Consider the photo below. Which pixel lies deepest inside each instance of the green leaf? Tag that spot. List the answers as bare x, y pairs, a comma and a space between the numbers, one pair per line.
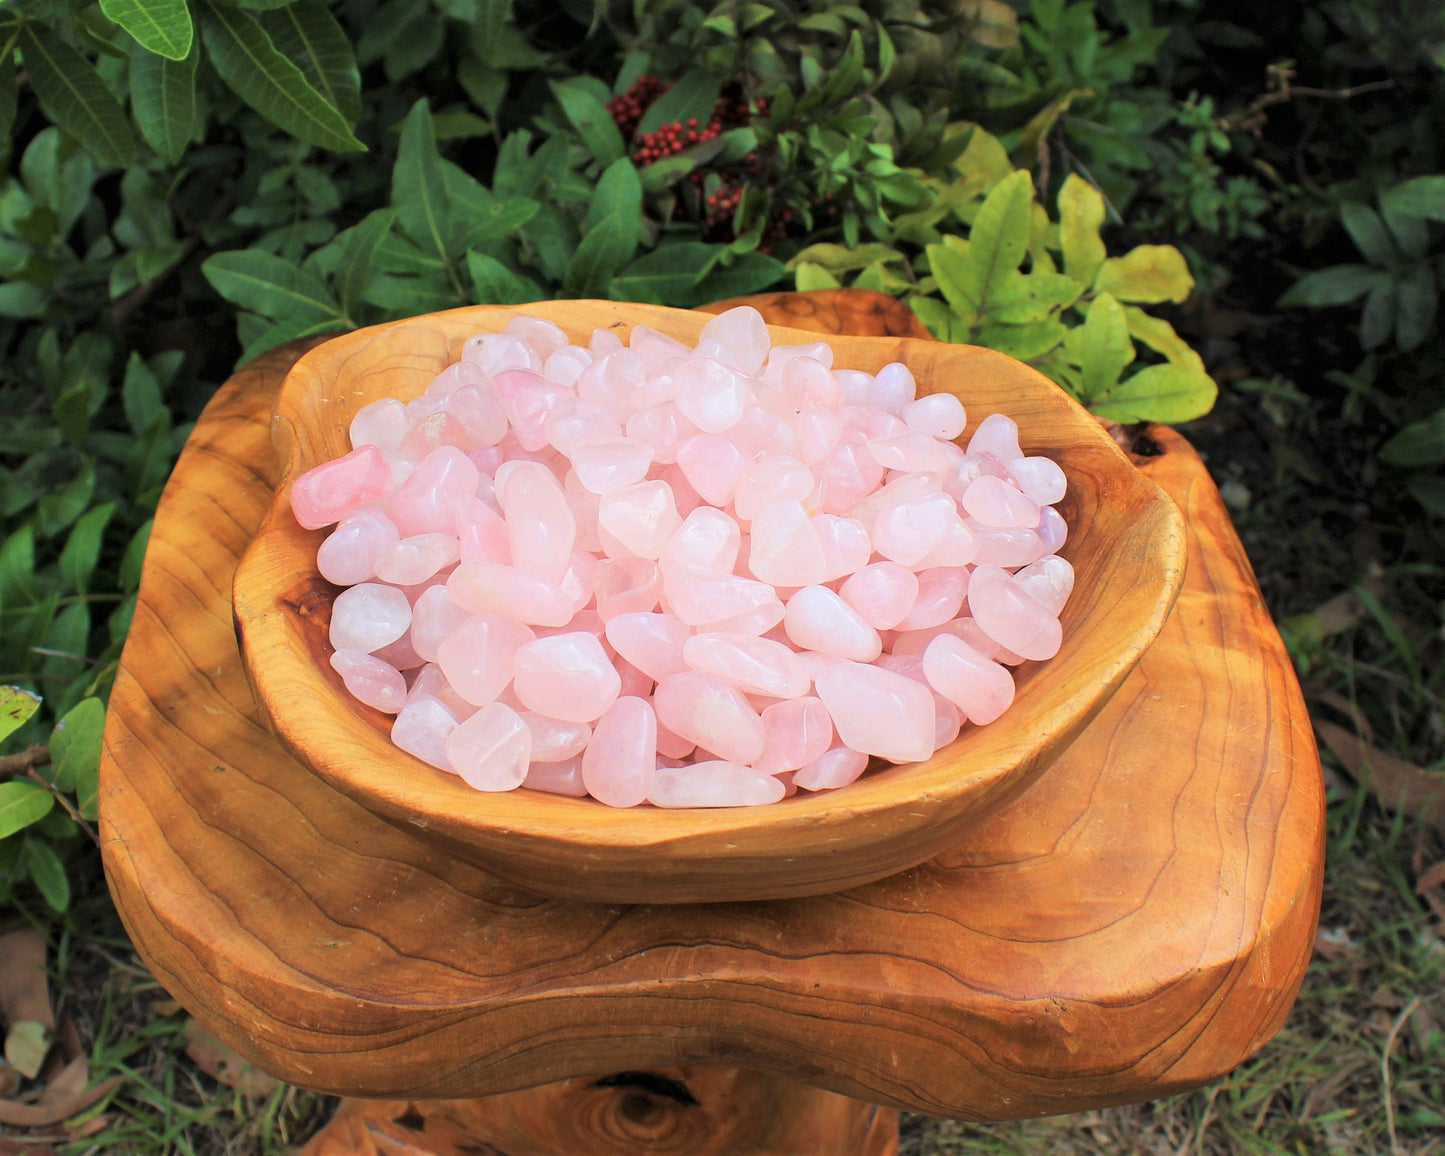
1159, 336
75, 752
693, 95
1081, 216
269, 285
668, 275
306, 33
1163, 393
159, 26
163, 101
27, 1043
610, 232
22, 803
140, 394
934, 314
17, 567
594, 124
1101, 347
660, 174
747, 273
290, 329
552, 238
1368, 232
1025, 342
242, 52
494, 284
841, 259
73, 95
999, 237
45, 868
1377, 320
1416, 300
16, 706
951, 270
499, 219
807, 277
1147, 274
1336, 285
82, 547
1419, 445
1421, 197
8, 95
409, 296
1024, 300
134, 556
417, 189
359, 245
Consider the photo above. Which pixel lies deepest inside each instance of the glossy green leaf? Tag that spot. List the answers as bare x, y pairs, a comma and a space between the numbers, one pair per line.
1336, 285
1026, 342
1421, 197
1147, 275
73, 95
611, 230
159, 26
999, 237
82, 548
1163, 393
693, 95
47, 872
808, 277
140, 394
1368, 232
75, 752
951, 270
16, 706
308, 35
589, 116
841, 259
22, 803
359, 246
268, 285
1026, 299
408, 296
747, 273
252, 67
1377, 319
1101, 347
417, 188
288, 329
1416, 299
494, 284
1419, 445
668, 275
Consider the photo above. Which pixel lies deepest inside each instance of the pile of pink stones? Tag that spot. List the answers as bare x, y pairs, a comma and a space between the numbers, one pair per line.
688, 577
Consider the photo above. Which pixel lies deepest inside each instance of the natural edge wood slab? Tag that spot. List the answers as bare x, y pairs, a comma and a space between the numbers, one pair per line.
1135, 924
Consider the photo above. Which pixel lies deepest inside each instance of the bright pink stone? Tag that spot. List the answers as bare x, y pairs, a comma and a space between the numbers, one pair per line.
421, 729
620, 762
368, 616
555, 740
767, 481
795, 733
1007, 614
744, 333
566, 676
334, 489
426, 503
712, 465
832, 769
478, 657
413, 560
908, 532
434, 616
978, 686
817, 619
998, 435
349, 554
754, 665
882, 593
639, 518
715, 783
707, 539
940, 597
609, 465
995, 503
564, 778
701, 597
370, 680
540, 525
651, 642
710, 395
491, 750
1049, 582
879, 712
626, 586
711, 713
939, 415
785, 549
490, 588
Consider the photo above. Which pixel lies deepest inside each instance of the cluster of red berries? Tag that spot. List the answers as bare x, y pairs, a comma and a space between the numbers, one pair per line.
673, 137
627, 108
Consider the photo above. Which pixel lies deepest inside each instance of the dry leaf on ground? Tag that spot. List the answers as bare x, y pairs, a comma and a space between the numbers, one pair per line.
43, 1114
24, 988
224, 1063
1398, 783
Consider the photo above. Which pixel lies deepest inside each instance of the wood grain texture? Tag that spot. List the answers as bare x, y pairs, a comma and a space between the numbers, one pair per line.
1137, 922
735, 1112
1126, 544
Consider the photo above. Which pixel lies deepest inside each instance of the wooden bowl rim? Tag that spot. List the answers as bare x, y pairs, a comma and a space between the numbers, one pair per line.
404, 789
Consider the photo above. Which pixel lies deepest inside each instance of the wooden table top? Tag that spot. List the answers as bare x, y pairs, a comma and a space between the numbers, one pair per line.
1137, 923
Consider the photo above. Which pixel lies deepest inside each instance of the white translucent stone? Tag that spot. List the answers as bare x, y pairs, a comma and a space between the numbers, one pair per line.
620, 763
492, 750
816, 618
715, 783
742, 331
368, 616
710, 395
409, 561
421, 729
566, 676
369, 680
939, 414
349, 554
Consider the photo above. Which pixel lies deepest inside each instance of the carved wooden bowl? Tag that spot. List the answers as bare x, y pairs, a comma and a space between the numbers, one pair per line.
1126, 544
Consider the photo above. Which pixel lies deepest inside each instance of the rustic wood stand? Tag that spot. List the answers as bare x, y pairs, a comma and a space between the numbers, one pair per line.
1135, 924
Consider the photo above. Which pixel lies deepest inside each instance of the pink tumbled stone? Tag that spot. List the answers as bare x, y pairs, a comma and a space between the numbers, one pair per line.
607, 466
795, 733
882, 593
1040, 478
671, 746
380, 423
998, 435
768, 481
426, 503
566, 676
850, 474
421, 729
1007, 614
712, 465
564, 778
656, 349
818, 619
545, 337
492, 750
626, 586
846, 545
490, 588
818, 432
978, 686
576, 421
710, 395
715, 783
651, 642
370, 680
878, 712
497, 352
409, 561
707, 539
480, 413
329, 492
1006, 548
995, 503
620, 762
1053, 530
912, 450
429, 680
957, 547
744, 333
754, 665
832, 769
700, 597
541, 528
434, 616
555, 740
711, 713
1049, 582
785, 548
478, 657
481, 533
893, 388
940, 597
639, 518
527, 399
368, 616
349, 554
908, 532
430, 432
940, 415
610, 380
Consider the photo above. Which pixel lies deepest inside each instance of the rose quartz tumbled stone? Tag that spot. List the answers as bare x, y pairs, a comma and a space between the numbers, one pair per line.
368, 616
349, 554
492, 750
818, 619
753, 665
478, 657
566, 676
878, 712
370, 680
620, 763
795, 732
978, 686
330, 491
832, 769
1006, 613
710, 712
714, 783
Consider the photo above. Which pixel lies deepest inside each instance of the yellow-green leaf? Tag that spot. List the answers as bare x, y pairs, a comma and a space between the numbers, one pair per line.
1101, 347
1081, 215
1159, 336
1042, 122
16, 706
1147, 274
840, 258
984, 162
159, 26
22, 803
809, 276
990, 22
26, 1045
1164, 393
